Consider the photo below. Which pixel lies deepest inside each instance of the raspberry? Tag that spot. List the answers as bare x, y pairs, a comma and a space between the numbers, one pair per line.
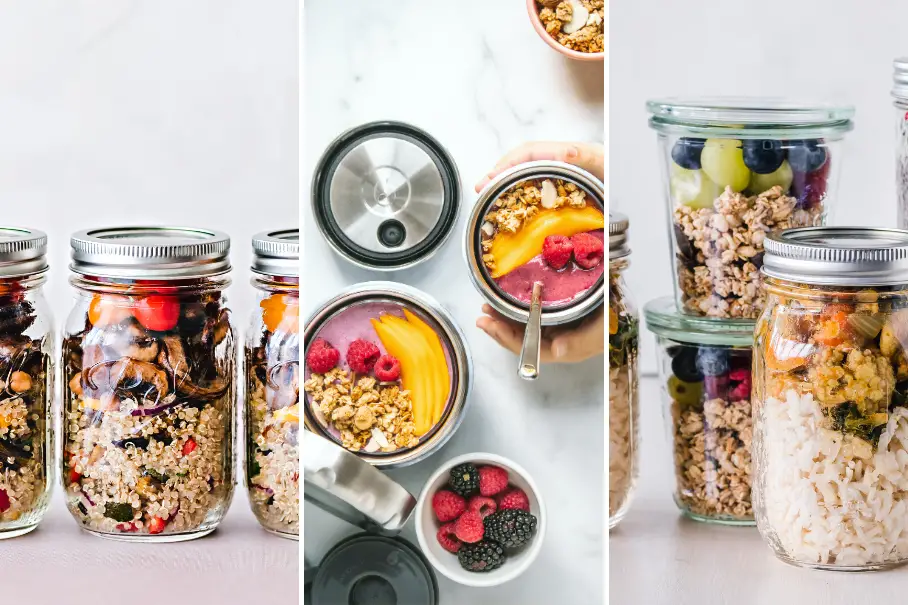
362, 355
482, 505
321, 356
448, 505
739, 374
448, 539
588, 250
492, 480
715, 387
557, 250
469, 527
514, 498
387, 368
810, 188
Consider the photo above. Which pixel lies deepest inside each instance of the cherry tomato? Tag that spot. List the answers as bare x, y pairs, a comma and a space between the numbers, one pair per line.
189, 446
74, 476
281, 313
156, 525
158, 313
108, 309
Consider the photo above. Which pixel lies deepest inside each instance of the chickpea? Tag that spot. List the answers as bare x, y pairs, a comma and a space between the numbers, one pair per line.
75, 385
20, 382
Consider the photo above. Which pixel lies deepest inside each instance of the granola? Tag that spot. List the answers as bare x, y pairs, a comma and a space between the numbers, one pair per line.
575, 24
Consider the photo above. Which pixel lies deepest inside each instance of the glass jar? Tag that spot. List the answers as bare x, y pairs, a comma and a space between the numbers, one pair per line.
26, 382
734, 170
273, 384
831, 386
623, 419
149, 386
705, 371
900, 100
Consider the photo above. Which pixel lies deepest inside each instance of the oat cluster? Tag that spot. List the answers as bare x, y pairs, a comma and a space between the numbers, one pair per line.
556, 15
364, 411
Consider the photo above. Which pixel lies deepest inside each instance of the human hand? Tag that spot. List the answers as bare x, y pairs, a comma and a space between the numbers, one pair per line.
589, 156
559, 344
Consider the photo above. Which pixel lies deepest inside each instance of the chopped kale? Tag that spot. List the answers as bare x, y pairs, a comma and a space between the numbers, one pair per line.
119, 511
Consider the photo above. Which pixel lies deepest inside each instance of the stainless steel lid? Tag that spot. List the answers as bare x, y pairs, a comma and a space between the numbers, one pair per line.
385, 195
838, 256
22, 252
900, 79
277, 253
150, 252
351, 489
617, 236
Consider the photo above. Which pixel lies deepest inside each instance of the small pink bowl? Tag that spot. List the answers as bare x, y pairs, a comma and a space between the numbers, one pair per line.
567, 52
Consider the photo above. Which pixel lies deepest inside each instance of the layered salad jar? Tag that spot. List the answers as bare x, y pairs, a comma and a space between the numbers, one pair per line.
26, 382
900, 101
735, 170
149, 387
623, 340
831, 398
273, 384
705, 371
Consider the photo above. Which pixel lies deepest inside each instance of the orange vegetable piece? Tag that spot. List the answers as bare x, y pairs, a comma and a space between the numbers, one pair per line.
108, 309
832, 331
281, 313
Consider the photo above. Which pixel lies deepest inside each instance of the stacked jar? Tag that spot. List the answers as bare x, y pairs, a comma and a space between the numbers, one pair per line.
900, 100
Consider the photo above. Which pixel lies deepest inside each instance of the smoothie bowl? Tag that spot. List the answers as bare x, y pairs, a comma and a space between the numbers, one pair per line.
387, 373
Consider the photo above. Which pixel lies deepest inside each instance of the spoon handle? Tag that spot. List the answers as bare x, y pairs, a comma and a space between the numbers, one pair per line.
532, 338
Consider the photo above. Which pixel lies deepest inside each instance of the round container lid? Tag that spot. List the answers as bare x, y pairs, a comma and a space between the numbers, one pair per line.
749, 117
22, 252
838, 256
617, 235
900, 78
664, 319
150, 252
386, 195
374, 570
277, 253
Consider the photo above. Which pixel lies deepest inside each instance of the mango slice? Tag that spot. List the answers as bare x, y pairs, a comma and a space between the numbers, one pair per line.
511, 250
414, 357
441, 375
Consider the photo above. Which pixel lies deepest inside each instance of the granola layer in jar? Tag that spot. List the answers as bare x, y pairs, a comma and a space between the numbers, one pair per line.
575, 24
149, 394
705, 369
736, 170
273, 385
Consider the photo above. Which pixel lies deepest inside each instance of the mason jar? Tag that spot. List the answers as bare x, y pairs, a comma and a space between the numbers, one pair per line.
705, 372
623, 378
900, 100
26, 382
830, 412
273, 384
735, 170
149, 389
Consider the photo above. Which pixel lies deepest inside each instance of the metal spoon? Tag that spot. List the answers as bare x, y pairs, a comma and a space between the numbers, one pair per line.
532, 338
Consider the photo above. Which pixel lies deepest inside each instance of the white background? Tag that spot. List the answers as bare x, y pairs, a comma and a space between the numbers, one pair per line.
124, 112
810, 49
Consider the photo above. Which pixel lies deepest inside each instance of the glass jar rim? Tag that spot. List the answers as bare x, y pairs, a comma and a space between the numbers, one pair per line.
749, 117
664, 319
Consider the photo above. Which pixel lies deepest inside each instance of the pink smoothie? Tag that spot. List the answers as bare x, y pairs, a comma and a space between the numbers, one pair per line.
559, 287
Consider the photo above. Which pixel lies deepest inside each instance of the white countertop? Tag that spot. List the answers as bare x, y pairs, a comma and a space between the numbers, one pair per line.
659, 557
492, 86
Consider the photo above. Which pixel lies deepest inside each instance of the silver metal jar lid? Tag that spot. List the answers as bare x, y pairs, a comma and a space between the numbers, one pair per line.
617, 236
385, 195
22, 252
900, 79
838, 256
276, 253
150, 252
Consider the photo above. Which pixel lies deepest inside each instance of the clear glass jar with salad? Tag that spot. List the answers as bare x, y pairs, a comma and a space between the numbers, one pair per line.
149, 386
900, 101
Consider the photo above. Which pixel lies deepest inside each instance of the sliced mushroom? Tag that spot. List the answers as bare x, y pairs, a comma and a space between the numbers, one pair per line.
127, 374
131, 340
173, 359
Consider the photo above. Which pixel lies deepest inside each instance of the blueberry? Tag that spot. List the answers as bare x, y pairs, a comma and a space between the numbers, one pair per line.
763, 156
806, 156
686, 152
684, 365
712, 361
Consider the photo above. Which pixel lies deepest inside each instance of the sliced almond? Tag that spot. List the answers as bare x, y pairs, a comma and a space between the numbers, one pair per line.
549, 194
371, 447
578, 18
379, 437
488, 228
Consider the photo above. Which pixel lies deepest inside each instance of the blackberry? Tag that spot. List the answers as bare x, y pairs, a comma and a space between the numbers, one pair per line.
510, 527
484, 555
464, 480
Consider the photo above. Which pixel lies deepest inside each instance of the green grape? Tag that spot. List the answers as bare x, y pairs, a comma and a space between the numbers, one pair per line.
692, 188
723, 162
764, 182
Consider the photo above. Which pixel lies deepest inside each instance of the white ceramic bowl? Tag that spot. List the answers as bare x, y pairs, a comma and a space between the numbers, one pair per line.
446, 563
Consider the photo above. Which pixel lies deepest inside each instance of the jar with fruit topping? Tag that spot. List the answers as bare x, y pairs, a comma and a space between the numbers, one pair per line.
831, 398
735, 170
705, 371
900, 100
26, 382
149, 387
273, 384
623, 420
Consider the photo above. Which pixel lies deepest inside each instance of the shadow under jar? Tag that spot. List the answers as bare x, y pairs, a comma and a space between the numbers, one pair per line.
26, 382
705, 370
831, 399
149, 397
735, 170
273, 385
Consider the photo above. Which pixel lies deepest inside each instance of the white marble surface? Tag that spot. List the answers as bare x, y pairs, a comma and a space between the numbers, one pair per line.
659, 557
474, 75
